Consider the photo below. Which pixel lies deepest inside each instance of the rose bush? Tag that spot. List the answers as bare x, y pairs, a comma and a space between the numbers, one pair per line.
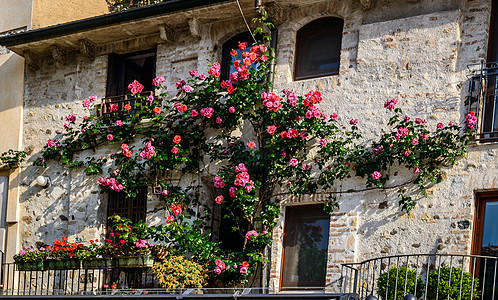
296, 149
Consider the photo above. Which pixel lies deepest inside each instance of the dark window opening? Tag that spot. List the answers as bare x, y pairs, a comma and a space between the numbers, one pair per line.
230, 239
227, 59
123, 70
318, 48
133, 208
306, 238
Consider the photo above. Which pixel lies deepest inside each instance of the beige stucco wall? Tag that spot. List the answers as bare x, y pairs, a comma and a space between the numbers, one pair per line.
11, 85
50, 12
14, 14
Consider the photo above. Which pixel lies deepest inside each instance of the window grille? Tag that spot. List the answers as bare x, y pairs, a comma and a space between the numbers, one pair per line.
483, 100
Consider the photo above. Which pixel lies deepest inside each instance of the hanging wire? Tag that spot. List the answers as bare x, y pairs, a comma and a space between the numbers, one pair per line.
245, 21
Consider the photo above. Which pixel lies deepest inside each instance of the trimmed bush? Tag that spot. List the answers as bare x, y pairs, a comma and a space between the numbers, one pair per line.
444, 287
387, 283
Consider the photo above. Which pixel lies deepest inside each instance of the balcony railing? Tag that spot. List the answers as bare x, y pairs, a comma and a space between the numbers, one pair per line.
483, 100
120, 5
426, 276
120, 102
20, 282
43, 280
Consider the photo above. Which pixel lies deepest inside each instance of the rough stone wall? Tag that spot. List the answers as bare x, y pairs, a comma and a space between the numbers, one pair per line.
69, 205
421, 59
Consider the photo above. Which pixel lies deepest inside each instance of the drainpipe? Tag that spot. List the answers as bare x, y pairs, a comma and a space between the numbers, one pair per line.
265, 280
273, 43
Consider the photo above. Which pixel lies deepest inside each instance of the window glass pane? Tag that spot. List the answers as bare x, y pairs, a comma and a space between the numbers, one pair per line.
323, 53
4, 182
306, 244
318, 48
227, 59
490, 228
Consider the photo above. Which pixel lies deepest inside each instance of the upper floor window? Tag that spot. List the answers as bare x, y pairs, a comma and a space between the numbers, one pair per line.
122, 70
483, 98
227, 58
318, 48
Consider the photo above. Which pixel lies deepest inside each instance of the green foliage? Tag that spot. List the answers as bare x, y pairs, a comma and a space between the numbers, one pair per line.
30, 254
177, 272
393, 282
291, 147
448, 286
129, 239
12, 159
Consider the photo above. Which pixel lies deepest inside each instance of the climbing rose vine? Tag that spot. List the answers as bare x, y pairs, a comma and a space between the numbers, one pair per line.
296, 149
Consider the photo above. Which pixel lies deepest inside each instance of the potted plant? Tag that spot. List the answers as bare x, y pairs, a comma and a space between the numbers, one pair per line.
95, 255
130, 243
31, 259
62, 255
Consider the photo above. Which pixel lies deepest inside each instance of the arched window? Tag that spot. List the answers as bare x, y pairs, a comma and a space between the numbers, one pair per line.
227, 59
318, 48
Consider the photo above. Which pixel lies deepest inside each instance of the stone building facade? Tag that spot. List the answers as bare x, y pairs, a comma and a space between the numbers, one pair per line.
416, 50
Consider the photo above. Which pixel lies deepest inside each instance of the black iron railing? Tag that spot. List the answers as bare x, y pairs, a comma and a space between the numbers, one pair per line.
426, 276
74, 279
125, 281
483, 100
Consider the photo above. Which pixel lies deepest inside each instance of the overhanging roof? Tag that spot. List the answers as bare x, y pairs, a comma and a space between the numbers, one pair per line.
102, 27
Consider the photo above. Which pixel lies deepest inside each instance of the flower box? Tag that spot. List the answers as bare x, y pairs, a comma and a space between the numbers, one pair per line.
62, 264
31, 266
97, 263
142, 261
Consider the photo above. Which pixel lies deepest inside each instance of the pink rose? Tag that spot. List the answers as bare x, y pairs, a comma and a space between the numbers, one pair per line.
271, 129
135, 87
158, 80
231, 109
250, 234
353, 122
110, 137
193, 73
293, 162
376, 175
187, 89
86, 103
